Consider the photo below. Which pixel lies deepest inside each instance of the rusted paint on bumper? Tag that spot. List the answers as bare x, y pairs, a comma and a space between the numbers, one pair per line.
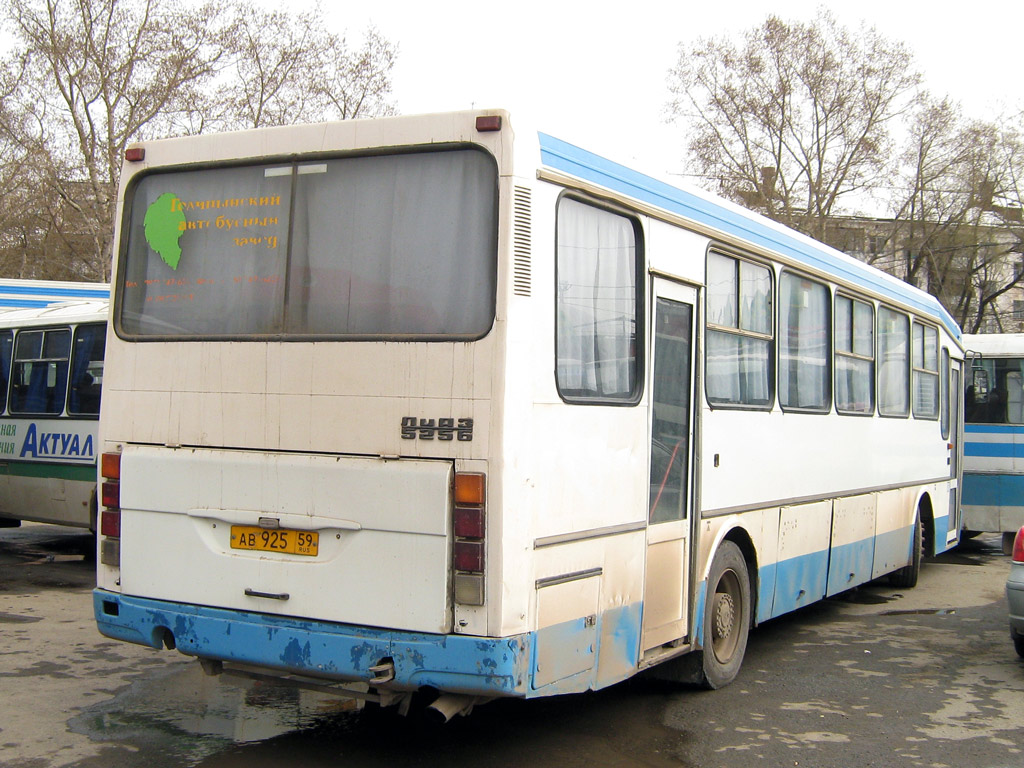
454, 663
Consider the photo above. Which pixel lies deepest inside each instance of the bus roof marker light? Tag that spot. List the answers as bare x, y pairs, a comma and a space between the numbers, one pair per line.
485, 123
135, 154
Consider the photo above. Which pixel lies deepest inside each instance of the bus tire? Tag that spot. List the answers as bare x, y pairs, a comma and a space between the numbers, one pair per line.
906, 577
727, 612
1008, 537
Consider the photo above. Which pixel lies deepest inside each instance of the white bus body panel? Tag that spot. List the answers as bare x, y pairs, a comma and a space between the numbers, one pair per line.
383, 549
47, 470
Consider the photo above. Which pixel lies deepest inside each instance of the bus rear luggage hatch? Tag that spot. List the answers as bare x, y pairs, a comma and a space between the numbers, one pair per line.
319, 537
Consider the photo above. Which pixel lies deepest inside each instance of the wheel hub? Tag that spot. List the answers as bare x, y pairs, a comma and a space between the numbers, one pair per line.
725, 614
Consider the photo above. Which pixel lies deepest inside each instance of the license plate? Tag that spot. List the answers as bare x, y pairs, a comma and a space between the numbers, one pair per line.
275, 540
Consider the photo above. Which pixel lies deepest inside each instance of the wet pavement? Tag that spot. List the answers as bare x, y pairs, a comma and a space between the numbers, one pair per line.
879, 677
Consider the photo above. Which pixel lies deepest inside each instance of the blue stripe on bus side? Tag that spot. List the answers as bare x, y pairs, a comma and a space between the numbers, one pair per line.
994, 429
64, 293
994, 450
799, 581
24, 303
850, 565
992, 490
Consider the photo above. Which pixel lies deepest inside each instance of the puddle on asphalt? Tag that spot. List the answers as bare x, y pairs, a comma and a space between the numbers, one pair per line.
179, 716
13, 618
922, 612
863, 597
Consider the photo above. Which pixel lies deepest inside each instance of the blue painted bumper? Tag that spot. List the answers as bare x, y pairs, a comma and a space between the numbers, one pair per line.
454, 663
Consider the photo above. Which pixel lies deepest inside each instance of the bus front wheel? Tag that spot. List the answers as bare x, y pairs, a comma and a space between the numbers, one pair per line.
726, 616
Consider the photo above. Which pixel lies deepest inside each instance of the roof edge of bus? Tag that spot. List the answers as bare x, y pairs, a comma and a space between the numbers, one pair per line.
738, 222
351, 124
995, 344
63, 311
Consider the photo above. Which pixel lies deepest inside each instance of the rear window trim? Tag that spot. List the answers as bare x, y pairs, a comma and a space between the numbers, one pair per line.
304, 158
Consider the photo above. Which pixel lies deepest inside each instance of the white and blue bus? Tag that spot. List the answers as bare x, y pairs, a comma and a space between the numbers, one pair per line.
51, 376
446, 403
993, 477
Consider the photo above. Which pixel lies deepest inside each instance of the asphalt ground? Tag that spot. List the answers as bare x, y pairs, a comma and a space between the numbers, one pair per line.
877, 677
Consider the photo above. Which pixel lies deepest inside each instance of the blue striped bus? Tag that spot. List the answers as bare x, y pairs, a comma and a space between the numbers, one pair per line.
51, 378
993, 493
445, 403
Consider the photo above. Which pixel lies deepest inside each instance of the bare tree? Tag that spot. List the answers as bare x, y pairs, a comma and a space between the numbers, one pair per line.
958, 211
95, 75
99, 74
289, 68
796, 118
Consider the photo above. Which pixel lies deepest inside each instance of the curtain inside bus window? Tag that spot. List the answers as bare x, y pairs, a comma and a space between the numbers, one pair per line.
40, 372
394, 245
723, 291
739, 342
6, 352
382, 246
854, 356
926, 372
86, 376
596, 303
893, 363
804, 380
1015, 391
944, 401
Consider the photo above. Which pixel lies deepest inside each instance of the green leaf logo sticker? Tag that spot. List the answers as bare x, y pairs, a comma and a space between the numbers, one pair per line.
164, 225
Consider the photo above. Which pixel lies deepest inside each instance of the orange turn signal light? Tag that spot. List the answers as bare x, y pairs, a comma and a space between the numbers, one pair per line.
469, 488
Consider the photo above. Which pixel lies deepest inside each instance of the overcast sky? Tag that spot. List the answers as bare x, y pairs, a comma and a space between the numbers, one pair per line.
595, 73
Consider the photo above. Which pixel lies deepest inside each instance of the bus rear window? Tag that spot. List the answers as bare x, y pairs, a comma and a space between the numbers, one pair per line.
391, 246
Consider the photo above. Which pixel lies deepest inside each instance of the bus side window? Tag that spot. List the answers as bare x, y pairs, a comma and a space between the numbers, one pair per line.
87, 370
740, 340
1014, 404
6, 348
41, 372
598, 300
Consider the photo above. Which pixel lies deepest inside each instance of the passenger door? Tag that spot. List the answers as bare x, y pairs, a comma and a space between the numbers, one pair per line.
672, 374
955, 449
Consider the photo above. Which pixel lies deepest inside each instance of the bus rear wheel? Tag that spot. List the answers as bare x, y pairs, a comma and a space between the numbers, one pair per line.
726, 616
906, 577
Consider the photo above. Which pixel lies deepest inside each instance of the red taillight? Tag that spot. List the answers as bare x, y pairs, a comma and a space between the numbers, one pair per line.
110, 490
469, 556
110, 523
469, 529
1018, 547
469, 522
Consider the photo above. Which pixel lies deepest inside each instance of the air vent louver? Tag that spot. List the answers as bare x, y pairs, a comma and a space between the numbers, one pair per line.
522, 239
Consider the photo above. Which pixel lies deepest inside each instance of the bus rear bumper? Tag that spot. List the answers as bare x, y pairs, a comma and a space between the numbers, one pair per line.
477, 666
